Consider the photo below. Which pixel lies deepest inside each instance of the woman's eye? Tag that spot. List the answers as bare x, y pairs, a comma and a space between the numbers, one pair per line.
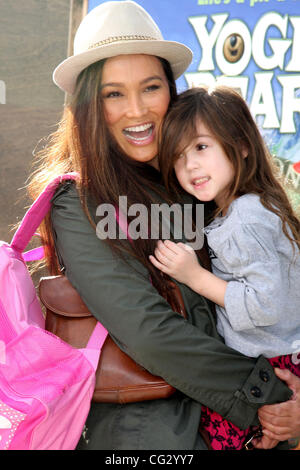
152, 88
112, 94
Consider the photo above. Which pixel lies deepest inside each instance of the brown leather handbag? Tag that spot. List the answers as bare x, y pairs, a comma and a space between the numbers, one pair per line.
119, 379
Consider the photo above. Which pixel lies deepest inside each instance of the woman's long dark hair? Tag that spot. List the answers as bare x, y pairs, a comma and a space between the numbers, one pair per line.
226, 114
83, 143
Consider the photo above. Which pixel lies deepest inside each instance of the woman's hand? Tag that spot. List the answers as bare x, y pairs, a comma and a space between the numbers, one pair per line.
282, 421
265, 443
177, 260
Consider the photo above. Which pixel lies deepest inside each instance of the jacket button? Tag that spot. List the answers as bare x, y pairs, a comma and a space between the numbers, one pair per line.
256, 392
264, 375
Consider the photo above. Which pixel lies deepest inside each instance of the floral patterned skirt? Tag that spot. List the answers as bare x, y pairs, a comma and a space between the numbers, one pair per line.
223, 434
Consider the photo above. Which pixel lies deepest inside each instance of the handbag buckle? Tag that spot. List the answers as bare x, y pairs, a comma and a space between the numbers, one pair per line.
248, 444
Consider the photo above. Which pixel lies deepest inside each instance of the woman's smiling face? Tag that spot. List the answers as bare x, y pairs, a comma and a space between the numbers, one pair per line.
136, 96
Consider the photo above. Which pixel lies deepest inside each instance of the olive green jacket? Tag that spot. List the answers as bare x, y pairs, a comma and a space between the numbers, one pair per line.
188, 354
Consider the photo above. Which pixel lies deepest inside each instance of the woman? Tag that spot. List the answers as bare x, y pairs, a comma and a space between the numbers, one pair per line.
121, 81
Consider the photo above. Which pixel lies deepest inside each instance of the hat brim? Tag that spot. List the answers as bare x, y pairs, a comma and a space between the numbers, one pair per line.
178, 55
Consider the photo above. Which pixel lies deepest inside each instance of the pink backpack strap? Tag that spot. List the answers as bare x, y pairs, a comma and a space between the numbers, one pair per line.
34, 254
122, 221
96, 341
31, 221
35, 215
93, 348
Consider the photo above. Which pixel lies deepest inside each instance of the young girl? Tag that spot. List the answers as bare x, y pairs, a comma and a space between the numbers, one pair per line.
212, 144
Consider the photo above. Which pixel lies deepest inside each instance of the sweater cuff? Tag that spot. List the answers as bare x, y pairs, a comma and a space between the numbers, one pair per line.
235, 309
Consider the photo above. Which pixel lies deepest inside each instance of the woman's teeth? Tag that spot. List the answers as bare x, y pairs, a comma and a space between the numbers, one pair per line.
141, 132
142, 127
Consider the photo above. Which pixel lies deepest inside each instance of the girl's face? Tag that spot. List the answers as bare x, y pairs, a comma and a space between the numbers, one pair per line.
204, 169
136, 96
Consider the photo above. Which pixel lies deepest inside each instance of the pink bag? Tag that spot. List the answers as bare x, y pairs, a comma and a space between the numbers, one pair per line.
46, 386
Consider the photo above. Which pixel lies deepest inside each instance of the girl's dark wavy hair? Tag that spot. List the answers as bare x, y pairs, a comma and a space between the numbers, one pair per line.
226, 114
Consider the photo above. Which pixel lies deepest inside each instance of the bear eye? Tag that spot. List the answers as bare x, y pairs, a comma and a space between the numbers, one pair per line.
233, 40
233, 48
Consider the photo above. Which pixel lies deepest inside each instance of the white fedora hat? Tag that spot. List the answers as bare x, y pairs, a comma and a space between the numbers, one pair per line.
114, 28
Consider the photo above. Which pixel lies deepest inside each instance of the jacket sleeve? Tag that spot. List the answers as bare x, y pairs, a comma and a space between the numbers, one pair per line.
254, 298
191, 357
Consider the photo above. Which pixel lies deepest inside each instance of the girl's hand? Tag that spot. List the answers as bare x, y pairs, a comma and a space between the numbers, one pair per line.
180, 262
177, 260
